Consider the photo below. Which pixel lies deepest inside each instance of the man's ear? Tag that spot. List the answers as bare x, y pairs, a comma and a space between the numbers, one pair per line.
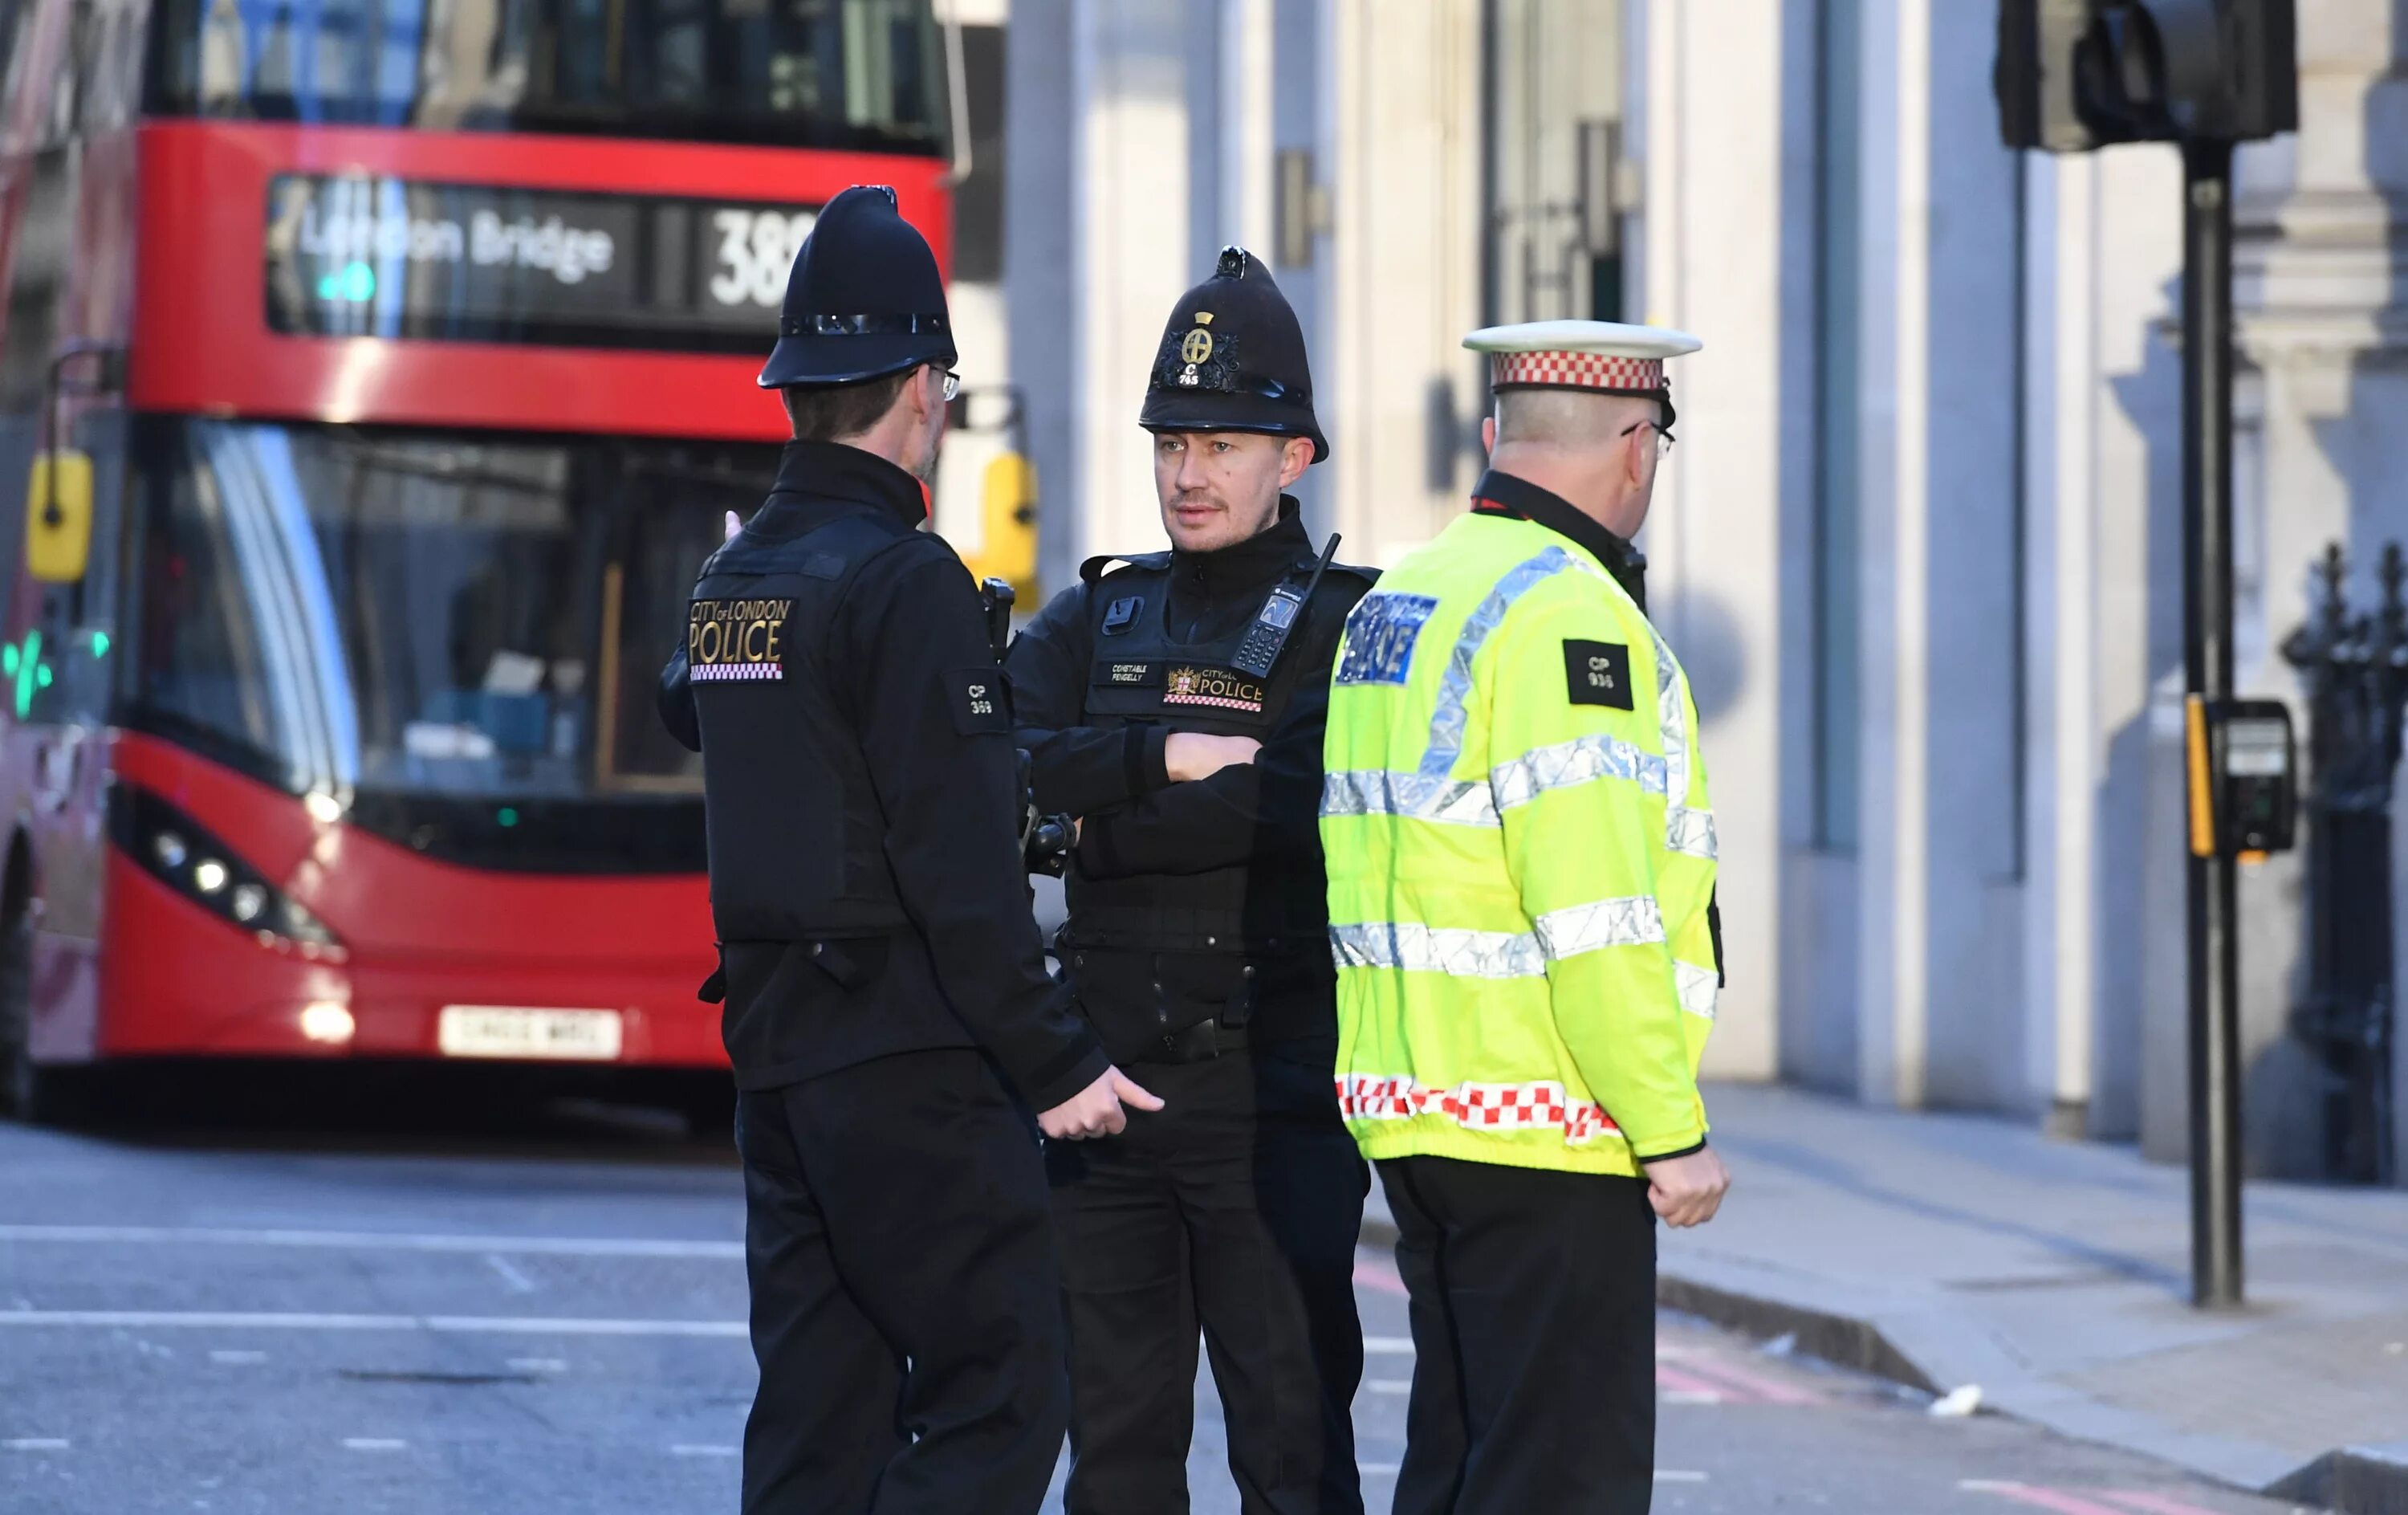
1488, 434
1295, 457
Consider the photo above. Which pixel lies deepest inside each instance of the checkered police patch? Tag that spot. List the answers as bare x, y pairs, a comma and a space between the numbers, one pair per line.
1380, 635
1218, 686
737, 640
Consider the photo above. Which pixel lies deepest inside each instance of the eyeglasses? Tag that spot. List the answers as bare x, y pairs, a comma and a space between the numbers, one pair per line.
953, 385
1663, 436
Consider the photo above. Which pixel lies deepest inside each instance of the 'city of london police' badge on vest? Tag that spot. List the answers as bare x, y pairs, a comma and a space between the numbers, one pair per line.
736, 638
1188, 685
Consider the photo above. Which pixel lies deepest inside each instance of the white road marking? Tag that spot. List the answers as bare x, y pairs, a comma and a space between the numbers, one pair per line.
504, 1325
694, 1450
1400, 1346
1688, 1396
374, 1443
1389, 1385
377, 1241
520, 1283
1667, 1475
232, 1358
36, 1444
538, 1365
1986, 1485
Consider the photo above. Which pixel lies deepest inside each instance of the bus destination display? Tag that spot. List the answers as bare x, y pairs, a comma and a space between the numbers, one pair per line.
358, 255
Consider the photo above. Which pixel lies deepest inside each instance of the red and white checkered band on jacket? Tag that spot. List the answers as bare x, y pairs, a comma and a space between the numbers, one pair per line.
1576, 370
1532, 1106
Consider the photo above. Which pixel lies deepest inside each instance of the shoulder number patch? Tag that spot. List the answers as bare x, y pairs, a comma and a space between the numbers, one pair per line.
1381, 630
736, 638
1598, 673
977, 698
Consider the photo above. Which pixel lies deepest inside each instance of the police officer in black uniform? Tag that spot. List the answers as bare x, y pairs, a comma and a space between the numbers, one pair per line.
887, 1008
1174, 704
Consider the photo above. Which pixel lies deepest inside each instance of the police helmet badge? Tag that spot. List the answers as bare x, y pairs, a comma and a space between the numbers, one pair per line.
1196, 348
1199, 359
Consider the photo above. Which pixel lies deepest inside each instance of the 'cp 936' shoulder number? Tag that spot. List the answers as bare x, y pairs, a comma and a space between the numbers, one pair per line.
756, 248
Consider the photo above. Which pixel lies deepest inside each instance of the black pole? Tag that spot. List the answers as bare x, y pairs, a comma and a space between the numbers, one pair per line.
2207, 670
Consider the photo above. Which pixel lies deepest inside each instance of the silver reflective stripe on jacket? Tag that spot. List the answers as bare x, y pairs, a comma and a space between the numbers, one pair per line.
1698, 988
1629, 921
1408, 947
1411, 948
1565, 764
1685, 831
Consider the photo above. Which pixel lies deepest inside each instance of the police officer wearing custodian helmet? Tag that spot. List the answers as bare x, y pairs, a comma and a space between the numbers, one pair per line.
1174, 702
887, 1008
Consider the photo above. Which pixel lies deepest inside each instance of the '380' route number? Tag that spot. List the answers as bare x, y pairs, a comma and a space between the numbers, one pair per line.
756, 248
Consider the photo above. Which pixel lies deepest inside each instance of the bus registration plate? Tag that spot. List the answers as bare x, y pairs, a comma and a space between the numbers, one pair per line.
497, 1031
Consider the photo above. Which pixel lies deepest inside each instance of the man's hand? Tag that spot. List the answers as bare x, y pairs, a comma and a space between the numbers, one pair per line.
734, 526
1192, 755
1686, 1190
1096, 1110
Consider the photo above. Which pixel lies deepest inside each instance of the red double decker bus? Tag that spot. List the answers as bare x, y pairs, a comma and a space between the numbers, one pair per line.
373, 376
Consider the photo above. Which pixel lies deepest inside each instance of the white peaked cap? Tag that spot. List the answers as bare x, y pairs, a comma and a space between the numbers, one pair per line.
1606, 357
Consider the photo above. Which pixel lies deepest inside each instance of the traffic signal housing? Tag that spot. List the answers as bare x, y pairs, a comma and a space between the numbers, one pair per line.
2077, 75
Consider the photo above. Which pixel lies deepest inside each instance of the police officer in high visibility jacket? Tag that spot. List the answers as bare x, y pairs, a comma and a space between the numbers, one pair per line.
1521, 859
887, 1003
1173, 701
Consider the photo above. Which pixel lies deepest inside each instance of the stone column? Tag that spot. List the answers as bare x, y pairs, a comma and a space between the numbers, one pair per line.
1724, 222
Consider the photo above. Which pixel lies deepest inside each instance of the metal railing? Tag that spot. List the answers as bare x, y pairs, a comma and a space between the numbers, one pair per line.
2355, 671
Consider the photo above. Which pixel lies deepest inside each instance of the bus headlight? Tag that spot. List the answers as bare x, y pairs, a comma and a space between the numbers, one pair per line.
178, 851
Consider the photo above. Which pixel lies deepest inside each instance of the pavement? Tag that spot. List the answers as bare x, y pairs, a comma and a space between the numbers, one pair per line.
422, 1303
1942, 1251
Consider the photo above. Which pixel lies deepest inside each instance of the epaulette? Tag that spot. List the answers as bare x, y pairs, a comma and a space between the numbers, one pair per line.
1094, 569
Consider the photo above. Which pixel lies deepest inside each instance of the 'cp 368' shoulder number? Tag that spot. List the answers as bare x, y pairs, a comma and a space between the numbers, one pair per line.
755, 250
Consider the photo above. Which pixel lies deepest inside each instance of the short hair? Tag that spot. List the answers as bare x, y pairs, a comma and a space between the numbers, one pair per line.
1570, 417
828, 412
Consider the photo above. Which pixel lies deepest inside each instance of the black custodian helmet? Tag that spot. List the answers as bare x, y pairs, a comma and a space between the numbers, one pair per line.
1232, 359
864, 299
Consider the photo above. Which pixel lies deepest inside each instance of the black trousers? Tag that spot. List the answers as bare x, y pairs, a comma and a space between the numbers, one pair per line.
1533, 1339
1235, 1212
905, 1306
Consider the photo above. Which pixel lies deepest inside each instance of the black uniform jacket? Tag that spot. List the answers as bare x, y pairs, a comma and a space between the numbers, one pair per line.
1255, 826
966, 966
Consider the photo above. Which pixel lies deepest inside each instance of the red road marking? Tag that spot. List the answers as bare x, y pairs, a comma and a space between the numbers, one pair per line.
1374, 1273
2155, 1503
2055, 1499
1674, 1378
1752, 1385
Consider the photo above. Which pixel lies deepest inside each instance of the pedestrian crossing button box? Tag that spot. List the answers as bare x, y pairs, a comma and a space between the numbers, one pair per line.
2245, 778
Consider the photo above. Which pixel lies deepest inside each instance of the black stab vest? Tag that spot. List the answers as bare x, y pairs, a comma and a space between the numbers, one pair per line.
1141, 674
796, 836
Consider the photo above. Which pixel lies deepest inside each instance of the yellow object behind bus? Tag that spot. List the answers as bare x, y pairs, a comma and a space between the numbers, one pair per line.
58, 516
1009, 523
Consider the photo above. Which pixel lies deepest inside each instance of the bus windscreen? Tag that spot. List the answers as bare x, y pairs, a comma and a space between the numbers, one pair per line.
858, 75
461, 631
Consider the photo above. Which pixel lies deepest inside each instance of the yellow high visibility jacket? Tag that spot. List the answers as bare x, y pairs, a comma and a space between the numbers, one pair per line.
1521, 859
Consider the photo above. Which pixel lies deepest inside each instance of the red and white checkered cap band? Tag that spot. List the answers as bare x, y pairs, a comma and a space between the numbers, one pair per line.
1576, 370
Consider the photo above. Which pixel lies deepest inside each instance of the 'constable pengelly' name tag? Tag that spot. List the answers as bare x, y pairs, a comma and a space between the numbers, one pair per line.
736, 638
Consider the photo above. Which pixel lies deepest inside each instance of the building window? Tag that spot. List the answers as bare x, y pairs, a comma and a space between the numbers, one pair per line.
1552, 160
1837, 206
